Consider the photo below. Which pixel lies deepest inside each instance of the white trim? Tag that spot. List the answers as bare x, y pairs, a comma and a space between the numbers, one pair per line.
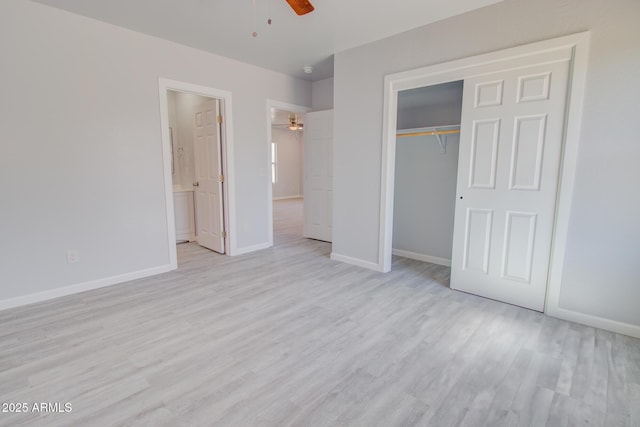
227, 160
387, 175
288, 197
82, 287
355, 261
247, 249
280, 106
595, 321
575, 101
422, 257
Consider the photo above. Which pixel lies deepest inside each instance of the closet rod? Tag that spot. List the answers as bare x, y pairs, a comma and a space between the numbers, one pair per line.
430, 133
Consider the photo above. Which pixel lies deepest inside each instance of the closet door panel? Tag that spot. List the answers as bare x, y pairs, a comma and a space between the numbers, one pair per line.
510, 147
484, 151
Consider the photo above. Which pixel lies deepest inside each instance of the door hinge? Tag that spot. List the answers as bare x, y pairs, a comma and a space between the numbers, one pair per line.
221, 178
224, 234
219, 118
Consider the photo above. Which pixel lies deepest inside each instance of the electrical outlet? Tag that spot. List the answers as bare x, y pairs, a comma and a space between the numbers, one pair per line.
72, 256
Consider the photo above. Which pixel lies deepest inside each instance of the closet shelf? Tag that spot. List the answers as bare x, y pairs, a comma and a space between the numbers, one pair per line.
440, 132
429, 131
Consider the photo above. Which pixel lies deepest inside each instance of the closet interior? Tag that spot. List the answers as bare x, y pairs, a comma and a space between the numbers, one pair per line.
427, 142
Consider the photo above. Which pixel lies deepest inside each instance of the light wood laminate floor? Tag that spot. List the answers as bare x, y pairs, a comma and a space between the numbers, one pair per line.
286, 336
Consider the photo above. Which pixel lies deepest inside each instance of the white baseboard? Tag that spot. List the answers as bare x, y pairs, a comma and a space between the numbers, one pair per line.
422, 257
82, 287
595, 321
355, 261
247, 249
288, 197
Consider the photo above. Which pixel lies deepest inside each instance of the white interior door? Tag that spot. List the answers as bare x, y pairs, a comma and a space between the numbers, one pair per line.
207, 146
509, 161
318, 177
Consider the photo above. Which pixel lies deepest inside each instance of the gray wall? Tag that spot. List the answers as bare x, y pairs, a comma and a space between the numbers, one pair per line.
601, 268
322, 94
81, 164
289, 162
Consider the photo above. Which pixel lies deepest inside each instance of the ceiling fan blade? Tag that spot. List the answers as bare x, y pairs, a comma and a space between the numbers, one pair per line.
301, 7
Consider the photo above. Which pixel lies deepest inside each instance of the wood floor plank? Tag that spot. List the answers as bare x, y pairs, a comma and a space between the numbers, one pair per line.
286, 336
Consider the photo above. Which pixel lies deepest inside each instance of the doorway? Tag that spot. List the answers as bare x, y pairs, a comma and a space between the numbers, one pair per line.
197, 152
198, 177
428, 137
287, 172
285, 163
516, 227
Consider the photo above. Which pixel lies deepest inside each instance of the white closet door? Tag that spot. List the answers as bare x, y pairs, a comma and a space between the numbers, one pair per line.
510, 149
318, 179
207, 144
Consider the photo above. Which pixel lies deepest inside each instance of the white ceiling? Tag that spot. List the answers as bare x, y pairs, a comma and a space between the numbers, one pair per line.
289, 43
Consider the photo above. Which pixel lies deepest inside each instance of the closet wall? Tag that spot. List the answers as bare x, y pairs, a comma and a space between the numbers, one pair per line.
425, 175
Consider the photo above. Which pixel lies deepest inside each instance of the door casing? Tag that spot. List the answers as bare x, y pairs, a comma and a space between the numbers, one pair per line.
229, 201
299, 109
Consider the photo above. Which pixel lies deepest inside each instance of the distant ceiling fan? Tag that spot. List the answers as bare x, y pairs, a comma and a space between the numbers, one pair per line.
301, 7
294, 123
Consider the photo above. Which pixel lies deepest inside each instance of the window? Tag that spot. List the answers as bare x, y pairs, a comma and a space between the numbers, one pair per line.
274, 177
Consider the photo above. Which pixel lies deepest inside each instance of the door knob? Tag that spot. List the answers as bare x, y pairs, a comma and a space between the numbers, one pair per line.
196, 184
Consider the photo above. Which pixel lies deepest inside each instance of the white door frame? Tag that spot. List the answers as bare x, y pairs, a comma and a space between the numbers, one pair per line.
280, 106
512, 58
227, 161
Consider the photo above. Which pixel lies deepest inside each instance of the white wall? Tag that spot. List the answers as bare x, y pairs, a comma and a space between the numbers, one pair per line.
81, 163
601, 269
322, 94
288, 164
